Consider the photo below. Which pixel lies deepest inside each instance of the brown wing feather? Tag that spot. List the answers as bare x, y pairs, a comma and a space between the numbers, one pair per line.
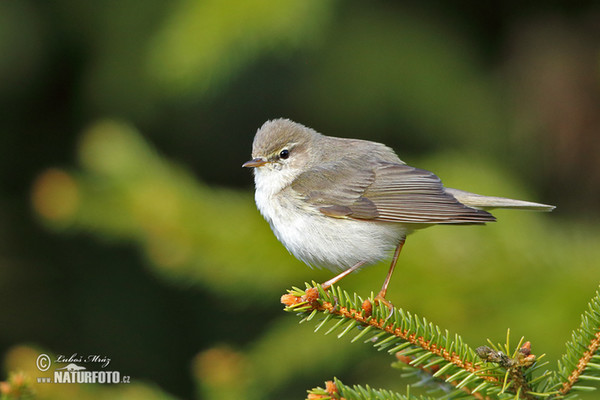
405, 194
383, 191
335, 184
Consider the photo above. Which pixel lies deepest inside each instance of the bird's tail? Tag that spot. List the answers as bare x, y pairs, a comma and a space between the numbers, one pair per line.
488, 202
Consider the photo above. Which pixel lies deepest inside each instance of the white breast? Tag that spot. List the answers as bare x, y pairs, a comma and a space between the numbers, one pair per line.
319, 240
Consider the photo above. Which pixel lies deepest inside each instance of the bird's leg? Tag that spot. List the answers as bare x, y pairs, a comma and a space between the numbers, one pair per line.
337, 278
381, 295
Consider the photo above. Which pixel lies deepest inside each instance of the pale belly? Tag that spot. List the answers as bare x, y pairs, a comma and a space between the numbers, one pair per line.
334, 243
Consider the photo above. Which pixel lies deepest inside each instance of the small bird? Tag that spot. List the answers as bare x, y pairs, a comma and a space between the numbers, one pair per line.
345, 203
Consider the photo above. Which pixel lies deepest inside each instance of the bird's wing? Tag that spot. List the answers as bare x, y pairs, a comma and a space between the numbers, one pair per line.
383, 191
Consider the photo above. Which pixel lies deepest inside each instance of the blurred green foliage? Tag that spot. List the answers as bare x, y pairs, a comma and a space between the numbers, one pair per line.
228, 34
128, 228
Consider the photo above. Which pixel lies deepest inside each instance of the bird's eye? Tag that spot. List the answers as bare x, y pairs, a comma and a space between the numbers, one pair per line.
285, 153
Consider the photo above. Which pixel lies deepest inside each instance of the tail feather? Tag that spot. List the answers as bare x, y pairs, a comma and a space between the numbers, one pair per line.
489, 202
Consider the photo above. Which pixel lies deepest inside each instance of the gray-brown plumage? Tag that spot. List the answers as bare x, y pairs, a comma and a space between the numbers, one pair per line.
343, 203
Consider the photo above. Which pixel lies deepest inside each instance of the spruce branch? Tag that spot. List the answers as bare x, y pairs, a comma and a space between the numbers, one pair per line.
398, 332
515, 366
337, 390
581, 361
400, 324
425, 373
424, 350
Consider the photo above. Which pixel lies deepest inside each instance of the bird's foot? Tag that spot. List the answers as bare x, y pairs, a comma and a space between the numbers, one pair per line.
380, 298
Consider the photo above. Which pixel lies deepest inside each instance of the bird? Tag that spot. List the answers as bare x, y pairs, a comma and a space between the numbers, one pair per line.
343, 203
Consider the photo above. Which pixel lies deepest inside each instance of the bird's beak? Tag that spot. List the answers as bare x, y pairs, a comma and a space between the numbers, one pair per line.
256, 162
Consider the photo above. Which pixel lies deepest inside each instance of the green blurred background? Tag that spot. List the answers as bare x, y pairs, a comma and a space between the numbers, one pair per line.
128, 227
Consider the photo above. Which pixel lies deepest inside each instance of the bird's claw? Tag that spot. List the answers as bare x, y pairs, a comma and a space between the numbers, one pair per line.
380, 298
